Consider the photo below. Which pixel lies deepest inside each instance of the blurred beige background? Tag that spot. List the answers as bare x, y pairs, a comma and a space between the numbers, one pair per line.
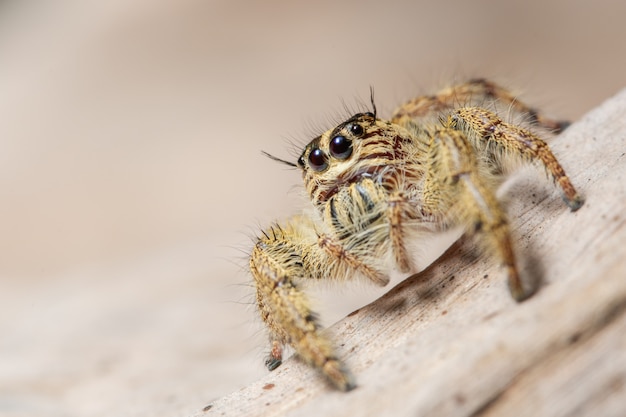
131, 178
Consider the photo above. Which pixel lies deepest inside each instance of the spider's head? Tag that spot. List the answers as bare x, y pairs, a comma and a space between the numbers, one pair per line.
360, 147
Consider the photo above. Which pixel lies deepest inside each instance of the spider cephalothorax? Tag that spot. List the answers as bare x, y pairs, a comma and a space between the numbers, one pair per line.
377, 184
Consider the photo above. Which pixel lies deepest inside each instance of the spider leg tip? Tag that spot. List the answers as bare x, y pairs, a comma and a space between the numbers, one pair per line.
575, 203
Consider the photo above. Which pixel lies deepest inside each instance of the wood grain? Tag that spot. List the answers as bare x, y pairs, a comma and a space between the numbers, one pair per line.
451, 341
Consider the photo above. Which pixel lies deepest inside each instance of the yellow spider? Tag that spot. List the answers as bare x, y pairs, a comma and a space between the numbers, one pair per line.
376, 185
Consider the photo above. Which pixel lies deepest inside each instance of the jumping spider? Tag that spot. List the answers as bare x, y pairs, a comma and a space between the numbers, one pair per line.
378, 184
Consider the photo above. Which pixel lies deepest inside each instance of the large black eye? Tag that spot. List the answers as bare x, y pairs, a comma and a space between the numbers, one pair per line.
318, 160
356, 129
340, 147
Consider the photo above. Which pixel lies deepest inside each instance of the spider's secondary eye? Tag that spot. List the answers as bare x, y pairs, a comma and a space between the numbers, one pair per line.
318, 160
356, 129
340, 147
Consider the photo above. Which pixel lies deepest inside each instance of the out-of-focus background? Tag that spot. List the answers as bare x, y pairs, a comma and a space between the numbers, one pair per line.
131, 179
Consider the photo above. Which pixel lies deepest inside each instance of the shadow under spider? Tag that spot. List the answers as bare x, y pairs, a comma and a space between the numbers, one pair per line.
434, 281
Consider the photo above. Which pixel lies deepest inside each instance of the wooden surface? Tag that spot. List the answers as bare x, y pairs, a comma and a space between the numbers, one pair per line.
131, 176
451, 341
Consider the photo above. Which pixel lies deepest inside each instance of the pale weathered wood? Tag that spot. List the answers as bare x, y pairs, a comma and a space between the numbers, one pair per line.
451, 341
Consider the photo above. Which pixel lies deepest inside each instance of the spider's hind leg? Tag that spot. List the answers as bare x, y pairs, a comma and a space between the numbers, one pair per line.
474, 92
499, 140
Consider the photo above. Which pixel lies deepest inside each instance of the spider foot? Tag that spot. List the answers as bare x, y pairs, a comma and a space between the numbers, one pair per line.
574, 203
275, 358
519, 292
338, 375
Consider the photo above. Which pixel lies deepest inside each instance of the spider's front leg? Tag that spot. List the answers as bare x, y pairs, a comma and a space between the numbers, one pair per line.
456, 192
280, 260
